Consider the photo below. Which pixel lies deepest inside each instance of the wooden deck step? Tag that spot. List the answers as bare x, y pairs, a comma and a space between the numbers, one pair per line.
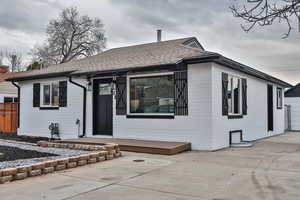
141, 146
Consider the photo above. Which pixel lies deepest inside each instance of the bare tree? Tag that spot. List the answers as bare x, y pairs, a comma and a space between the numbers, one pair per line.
15, 60
266, 12
1, 57
71, 36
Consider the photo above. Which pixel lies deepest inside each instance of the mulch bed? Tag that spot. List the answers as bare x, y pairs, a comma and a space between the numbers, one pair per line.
22, 138
14, 153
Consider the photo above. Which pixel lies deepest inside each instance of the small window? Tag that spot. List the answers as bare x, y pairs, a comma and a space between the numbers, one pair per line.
151, 94
105, 89
234, 95
55, 94
50, 95
279, 98
8, 99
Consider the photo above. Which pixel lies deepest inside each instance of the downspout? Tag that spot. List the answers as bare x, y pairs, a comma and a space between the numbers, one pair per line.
19, 89
84, 106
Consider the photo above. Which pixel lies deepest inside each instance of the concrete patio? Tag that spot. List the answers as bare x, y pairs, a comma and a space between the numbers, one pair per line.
269, 170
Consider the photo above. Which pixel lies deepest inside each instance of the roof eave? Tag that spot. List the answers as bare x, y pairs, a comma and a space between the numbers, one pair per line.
125, 70
219, 59
39, 76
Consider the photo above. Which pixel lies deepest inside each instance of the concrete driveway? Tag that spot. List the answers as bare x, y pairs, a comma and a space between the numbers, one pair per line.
269, 170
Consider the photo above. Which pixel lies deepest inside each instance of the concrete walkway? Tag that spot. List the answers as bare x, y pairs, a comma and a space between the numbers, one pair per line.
269, 170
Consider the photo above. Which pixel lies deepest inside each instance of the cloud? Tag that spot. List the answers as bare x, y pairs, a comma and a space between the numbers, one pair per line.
128, 22
27, 16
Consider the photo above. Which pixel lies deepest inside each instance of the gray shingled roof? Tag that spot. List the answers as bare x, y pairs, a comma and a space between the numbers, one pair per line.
145, 55
293, 92
150, 54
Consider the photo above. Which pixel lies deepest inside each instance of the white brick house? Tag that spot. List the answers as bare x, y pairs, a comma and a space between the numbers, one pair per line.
172, 91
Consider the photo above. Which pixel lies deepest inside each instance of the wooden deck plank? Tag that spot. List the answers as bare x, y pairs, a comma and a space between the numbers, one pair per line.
141, 146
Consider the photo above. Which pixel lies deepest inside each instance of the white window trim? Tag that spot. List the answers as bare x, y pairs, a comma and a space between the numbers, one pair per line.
240, 96
42, 94
128, 94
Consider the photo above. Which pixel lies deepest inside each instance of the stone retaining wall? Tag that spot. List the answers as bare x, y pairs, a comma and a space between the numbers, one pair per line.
98, 154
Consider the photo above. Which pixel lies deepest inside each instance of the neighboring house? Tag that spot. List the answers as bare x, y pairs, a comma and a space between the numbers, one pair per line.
8, 92
171, 90
292, 98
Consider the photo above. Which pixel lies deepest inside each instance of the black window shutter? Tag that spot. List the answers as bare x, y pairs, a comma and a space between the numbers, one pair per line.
244, 96
121, 96
63, 93
224, 94
181, 93
36, 95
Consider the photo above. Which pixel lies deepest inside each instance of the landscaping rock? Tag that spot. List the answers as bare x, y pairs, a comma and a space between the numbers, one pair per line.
62, 161
102, 153
82, 162
10, 171
48, 170
94, 155
83, 157
51, 163
92, 160
35, 172
72, 164
101, 158
60, 167
21, 176
5, 179
24, 169
38, 166
109, 156
74, 159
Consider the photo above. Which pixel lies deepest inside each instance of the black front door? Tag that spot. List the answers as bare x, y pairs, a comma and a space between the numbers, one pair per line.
102, 110
270, 108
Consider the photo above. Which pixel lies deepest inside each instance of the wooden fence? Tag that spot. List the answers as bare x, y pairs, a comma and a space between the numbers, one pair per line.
8, 117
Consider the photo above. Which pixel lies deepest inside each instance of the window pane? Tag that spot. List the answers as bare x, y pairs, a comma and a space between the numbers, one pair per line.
229, 94
104, 89
55, 94
8, 99
46, 99
152, 94
279, 97
236, 95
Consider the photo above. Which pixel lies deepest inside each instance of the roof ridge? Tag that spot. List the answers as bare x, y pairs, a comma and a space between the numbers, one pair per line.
149, 43
136, 45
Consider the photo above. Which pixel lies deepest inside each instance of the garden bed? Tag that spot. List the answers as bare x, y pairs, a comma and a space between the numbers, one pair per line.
39, 154
15, 153
22, 138
22, 160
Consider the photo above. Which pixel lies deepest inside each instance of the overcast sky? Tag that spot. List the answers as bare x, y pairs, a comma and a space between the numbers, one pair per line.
127, 22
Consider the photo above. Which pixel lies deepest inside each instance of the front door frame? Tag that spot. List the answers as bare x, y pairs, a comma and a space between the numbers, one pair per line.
100, 80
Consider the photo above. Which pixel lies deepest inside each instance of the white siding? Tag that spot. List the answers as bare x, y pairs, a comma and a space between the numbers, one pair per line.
194, 128
295, 111
204, 127
254, 124
35, 122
